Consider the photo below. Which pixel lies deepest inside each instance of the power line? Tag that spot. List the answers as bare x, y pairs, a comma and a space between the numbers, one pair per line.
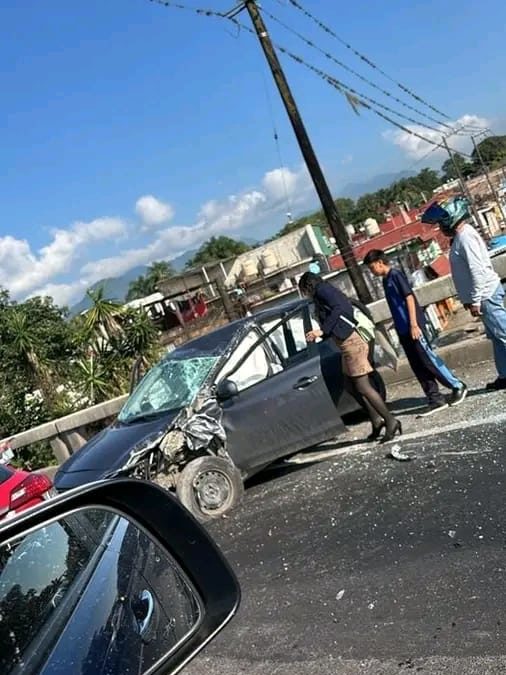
435, 149
355, 99
351, 70
188, 8
367, 60
278, 146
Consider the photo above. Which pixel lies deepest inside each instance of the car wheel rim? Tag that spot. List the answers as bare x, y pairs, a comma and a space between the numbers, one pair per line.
213, 490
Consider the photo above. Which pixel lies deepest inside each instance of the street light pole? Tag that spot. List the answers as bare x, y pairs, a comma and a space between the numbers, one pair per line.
334, 219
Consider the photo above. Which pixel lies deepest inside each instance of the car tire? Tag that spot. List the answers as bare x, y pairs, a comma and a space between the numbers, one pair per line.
209, 487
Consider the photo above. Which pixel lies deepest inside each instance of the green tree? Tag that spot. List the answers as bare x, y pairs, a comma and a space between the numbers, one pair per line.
426, 180
147, 284
111, 339
217, 248
140, 336
346, 208
36, 351
139, 288
449, 171
93, 380
26, 347
493, 152
370, 205
102, 319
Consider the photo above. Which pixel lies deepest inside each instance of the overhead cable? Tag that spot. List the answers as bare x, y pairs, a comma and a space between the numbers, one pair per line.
367, 60
351, 70
353, 97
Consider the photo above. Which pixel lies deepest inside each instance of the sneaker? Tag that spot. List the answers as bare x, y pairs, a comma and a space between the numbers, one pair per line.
458, 396
433, 408
500, 383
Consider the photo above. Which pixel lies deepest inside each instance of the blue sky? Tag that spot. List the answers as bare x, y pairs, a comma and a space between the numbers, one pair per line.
107, 103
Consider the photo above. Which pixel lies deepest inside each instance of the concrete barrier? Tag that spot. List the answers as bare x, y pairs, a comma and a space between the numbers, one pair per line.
66, 434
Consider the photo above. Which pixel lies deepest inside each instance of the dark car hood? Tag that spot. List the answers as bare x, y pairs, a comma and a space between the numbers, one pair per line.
107, 451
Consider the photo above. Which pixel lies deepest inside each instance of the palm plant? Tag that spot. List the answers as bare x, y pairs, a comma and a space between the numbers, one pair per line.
94, 381
26, 347
103, 317
139, 334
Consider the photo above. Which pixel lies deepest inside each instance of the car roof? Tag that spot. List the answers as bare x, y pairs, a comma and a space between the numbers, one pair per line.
216, 342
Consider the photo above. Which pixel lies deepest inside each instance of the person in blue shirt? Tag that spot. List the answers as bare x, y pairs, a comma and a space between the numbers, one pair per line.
334, 313
409, 322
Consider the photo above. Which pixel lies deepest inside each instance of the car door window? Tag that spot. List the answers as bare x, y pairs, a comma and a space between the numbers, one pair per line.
289, 338
36, 573
258, 366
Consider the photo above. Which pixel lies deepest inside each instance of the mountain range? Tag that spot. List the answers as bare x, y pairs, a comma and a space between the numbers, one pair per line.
116, 288
382, 180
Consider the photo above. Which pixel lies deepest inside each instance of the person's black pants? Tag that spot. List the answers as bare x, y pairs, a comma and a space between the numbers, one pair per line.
428, 367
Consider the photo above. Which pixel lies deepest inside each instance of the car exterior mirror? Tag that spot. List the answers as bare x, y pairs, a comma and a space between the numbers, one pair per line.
109, 578
226, 390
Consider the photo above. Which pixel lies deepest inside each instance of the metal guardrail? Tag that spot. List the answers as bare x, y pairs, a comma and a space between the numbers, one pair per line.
67, 434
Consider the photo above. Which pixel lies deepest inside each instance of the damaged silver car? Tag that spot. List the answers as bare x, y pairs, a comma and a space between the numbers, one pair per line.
220, 408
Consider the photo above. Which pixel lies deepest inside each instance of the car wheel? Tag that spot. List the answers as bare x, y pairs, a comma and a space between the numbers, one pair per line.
209, 487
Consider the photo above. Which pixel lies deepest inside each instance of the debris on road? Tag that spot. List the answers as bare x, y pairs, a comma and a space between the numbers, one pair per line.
396, 453
340, 595
452, 534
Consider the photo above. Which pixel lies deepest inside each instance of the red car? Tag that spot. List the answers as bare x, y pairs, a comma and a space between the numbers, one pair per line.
20, 489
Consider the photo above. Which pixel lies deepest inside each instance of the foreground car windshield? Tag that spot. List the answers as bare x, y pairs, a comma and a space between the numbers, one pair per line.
169, 385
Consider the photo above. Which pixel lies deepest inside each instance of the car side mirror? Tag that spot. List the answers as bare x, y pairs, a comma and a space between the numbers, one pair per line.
226, 390
109, 578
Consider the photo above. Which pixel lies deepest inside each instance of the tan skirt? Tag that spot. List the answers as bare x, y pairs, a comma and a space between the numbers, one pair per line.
355, 352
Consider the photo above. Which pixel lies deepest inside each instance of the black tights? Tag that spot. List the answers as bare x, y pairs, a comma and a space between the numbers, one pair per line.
373, 403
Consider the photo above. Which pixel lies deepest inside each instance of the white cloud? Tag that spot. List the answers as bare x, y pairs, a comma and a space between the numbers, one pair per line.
280, 183
227, 216
215, 217
50, 271
63, 294
287, 187
416, 148
22, 270
153, 212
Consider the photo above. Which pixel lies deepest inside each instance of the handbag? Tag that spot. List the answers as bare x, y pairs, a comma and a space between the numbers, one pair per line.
362, 324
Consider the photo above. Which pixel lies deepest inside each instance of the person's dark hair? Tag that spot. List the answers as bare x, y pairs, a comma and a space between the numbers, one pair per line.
376, 255
308, 283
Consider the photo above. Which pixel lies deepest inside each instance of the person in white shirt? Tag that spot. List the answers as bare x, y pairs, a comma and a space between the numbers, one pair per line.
478, 285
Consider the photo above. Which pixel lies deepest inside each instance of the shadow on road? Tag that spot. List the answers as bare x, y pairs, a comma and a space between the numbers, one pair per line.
411, 404
274, 472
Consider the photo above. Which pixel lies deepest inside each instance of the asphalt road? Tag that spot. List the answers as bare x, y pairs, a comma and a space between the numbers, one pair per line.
364, 564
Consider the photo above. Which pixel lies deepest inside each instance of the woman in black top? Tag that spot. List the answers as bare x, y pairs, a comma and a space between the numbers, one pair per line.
335, 315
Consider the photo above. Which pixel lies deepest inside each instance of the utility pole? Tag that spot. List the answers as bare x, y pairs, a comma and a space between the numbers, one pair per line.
335, 221
487, 176
465, 190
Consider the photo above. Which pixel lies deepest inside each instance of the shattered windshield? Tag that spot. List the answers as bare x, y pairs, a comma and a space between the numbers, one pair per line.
170, 385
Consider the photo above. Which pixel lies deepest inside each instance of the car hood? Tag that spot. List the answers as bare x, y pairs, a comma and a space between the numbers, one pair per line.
108, 451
